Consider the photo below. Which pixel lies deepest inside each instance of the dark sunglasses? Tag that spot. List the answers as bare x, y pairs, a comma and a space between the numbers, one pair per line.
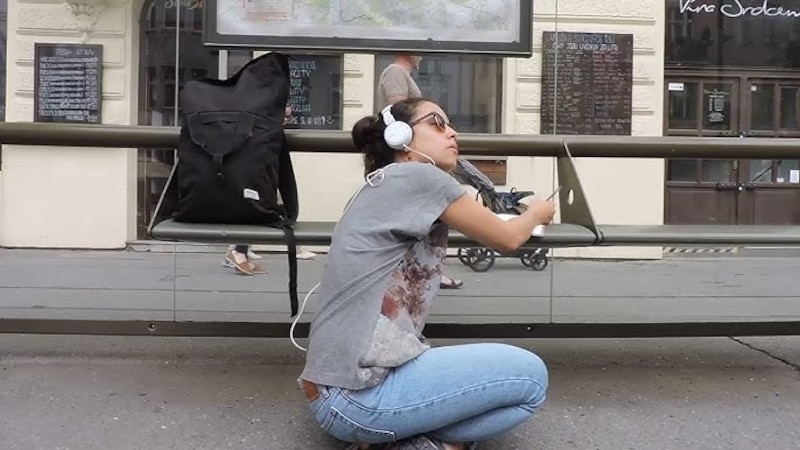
438, 120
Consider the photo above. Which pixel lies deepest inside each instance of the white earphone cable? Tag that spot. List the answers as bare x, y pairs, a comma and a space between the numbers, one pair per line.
374, 179
421, 154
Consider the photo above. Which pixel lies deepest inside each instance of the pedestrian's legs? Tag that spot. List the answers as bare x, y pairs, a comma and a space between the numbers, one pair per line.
459, 393
237, 256
305, 254
450, 283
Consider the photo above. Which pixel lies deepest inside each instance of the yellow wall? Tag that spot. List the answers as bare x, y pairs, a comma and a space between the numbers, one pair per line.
60, 196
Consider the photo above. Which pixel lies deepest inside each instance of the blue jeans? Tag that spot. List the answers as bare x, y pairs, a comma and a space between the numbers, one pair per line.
459, 393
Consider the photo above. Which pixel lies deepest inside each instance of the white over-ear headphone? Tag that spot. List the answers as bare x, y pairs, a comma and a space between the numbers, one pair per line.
398, 135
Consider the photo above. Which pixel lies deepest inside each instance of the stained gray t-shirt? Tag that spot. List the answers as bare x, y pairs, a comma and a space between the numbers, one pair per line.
394, 81
380, 277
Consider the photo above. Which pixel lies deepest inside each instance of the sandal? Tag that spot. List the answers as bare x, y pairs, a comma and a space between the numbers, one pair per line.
450, 283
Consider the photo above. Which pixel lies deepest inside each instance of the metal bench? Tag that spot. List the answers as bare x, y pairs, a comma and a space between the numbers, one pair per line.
319, 233
577, 228
556, 235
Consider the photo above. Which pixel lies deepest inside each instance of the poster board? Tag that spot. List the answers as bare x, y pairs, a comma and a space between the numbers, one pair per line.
67, 83
498, 27
315, 91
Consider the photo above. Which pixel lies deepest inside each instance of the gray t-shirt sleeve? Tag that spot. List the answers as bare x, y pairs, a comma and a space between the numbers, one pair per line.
426, 191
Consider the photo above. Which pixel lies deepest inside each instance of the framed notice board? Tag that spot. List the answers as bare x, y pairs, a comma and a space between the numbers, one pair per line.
67, 83
502, 28
315, 91
587, 83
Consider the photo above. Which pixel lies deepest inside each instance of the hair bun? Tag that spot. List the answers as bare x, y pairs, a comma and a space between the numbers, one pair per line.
366, 131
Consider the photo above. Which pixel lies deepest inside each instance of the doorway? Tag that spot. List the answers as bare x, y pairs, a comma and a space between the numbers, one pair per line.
731, 191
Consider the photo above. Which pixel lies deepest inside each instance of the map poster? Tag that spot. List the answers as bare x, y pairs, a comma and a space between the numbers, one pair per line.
492, 27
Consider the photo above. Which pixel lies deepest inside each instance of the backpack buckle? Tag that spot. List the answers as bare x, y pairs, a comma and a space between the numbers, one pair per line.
217, 158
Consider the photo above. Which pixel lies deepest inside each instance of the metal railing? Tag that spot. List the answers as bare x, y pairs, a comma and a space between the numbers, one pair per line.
322, 141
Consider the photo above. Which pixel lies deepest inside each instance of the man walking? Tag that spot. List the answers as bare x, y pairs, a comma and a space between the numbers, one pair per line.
395, 84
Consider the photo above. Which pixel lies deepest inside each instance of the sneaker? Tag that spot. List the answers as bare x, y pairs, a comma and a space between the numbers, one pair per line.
419, 443
366, 446
251, 256
305, 254
228, 263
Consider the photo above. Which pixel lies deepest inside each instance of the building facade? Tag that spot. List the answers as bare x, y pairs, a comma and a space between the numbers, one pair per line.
732, 69
686, 78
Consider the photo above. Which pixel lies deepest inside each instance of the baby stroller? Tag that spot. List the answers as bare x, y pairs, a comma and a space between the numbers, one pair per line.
481, 259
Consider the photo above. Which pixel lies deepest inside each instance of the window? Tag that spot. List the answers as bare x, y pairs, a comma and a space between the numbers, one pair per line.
163, 75
468, 88
732, 70
160, 82
721, 33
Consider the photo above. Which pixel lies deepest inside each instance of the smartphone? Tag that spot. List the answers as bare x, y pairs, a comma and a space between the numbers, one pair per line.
554, 193
538, 231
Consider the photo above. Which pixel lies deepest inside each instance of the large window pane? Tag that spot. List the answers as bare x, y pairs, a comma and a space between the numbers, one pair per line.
789, 102
716, 170
760, 171
682, 170
788, 171
732, 33
762, 106
162, 76
466, 87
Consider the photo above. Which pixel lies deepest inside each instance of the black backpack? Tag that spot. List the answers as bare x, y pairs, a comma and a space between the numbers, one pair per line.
233, 158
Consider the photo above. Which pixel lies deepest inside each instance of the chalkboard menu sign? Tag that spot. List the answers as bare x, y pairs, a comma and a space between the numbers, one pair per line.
587, 83
67, 83
315, 94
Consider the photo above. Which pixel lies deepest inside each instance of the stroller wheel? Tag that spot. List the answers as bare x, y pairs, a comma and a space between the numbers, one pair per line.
540, 263
463, 255
535, 260
480, 259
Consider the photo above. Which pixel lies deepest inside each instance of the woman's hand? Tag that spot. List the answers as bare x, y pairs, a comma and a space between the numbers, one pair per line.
543, 210
482, 225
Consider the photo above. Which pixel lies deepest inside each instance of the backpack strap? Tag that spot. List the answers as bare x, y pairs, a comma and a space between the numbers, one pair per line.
287, 183
291, 247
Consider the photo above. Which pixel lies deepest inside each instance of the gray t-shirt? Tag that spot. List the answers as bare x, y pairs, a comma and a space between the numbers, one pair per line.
394, 81
381, 275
